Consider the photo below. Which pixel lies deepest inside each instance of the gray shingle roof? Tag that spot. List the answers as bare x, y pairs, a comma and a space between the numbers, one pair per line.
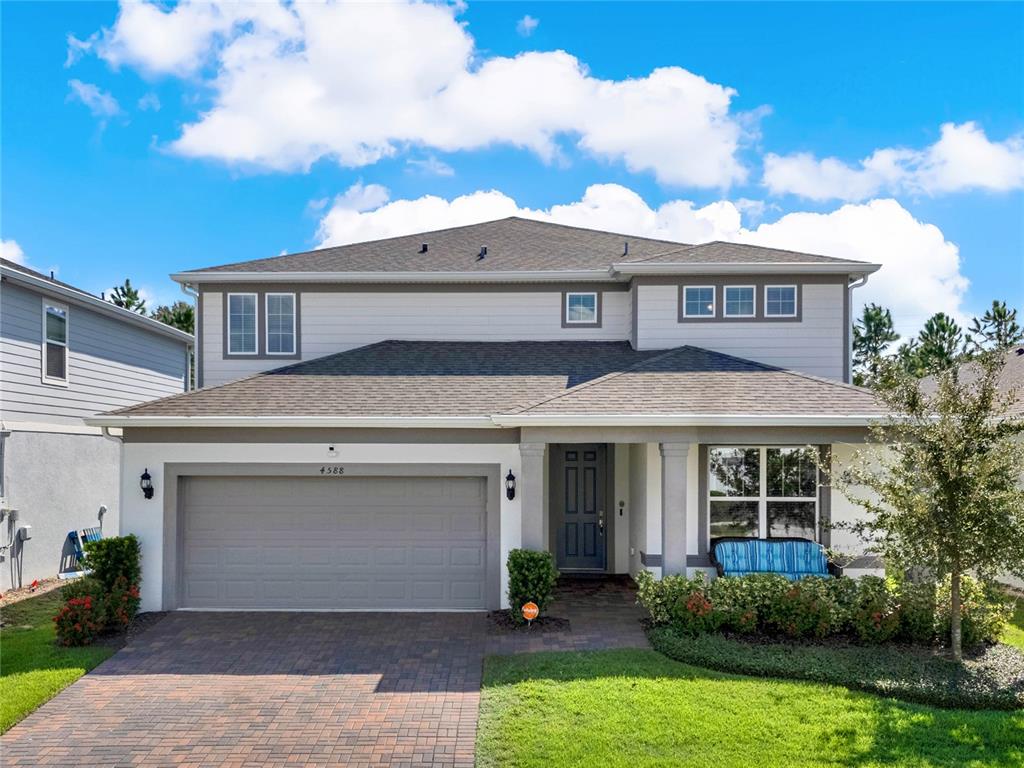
513, 245
438, 379
1011, 378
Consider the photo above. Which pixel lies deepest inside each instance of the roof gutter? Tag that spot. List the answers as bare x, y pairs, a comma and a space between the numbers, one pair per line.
377, 422
533, 276
97, 304
747, 268
682, 420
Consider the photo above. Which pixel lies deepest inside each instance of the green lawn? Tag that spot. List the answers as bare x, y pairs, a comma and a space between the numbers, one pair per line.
32, 668
1014, 634
638, 709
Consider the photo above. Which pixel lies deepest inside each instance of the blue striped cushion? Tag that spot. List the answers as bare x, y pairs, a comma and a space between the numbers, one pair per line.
790, 558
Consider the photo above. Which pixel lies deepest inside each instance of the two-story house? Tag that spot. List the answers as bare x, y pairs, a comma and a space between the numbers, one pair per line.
65, 355
380, 423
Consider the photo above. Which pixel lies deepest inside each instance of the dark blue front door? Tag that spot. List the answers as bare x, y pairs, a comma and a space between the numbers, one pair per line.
581, 507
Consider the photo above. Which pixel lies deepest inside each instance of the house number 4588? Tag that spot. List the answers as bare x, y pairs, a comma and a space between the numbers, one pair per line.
325, 470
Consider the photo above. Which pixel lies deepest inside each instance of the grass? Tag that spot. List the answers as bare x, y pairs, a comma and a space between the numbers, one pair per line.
1014, 634
32, 668
639, 709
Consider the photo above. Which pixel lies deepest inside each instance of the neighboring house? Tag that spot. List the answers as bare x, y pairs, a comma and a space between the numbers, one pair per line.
380, 423
65, 355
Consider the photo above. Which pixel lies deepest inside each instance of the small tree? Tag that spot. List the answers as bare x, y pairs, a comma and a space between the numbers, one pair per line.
941, 480
872, 334
127, 297
997, 328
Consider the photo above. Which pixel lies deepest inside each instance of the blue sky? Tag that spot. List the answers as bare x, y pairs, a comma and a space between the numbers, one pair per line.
265, 123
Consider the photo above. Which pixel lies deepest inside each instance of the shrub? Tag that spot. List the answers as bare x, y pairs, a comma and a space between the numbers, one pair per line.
844, 592
805, 609
743, 601
659, 596
87, 586
692, 612
122, 604
82, 617
917, 611
110, 559
531, 578
875, 616
985, 612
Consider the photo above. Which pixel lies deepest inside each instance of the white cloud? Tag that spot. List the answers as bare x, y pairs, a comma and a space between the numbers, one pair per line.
10, 250
358, 82
526, 25
149, 101
920, 273
100, 103
430, 166
962, 159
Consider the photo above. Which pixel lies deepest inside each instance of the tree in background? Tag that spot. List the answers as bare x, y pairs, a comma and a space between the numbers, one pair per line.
872, 334
939, 479
180, 315
996, 329
940, 345
127, 297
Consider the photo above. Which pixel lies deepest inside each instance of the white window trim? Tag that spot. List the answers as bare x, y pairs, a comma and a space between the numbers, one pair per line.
51, 380
266, 330
714, 300
725, 300
256, 321
568, 303
796, 298
764, 498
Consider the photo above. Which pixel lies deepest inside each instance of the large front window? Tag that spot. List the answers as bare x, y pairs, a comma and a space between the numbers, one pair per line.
763, 492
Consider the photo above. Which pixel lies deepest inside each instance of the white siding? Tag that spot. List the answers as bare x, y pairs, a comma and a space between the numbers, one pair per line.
335, 322
814, 345
110, 364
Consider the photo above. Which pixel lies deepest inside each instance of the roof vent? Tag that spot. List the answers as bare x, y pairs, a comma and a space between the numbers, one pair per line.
625, 248
483, 252
423, 248
1020, 351
51, 274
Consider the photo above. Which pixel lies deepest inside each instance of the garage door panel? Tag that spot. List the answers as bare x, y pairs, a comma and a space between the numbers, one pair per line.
348, 543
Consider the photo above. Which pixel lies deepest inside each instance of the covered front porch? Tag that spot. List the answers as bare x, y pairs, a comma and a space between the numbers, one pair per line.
618, 500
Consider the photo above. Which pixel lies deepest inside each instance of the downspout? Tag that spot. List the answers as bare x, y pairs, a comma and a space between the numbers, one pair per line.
849, 325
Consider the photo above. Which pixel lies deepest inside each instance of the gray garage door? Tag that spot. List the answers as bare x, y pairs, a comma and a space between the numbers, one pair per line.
338, 542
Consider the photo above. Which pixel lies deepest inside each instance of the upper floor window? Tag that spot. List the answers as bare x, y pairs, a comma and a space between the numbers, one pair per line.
699, 301
280, 323
55, 343
780, 301
581, 308
242, 324
739, 300
763, 492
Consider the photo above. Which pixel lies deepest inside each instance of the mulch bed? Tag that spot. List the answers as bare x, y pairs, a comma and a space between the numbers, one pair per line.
42, 586
500, 622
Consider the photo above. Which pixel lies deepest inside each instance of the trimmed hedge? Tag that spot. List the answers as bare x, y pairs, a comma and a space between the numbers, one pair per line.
531, 579
992, 679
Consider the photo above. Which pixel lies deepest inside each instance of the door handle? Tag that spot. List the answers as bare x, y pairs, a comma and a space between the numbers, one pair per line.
600, 521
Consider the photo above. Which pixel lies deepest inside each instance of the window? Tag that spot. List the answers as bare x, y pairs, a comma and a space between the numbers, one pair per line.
581, 308
780, 301
242, 323
280, 323
699, 301
739, 301
763, 492
55, 343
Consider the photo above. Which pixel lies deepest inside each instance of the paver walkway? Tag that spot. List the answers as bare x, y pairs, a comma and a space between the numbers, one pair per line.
232, 690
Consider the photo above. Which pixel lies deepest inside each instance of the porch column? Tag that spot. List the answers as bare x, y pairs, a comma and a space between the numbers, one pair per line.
673, 507
532, 495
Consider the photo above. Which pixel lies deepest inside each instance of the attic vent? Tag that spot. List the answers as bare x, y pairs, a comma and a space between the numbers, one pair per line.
423, 248
483, 252
625, 248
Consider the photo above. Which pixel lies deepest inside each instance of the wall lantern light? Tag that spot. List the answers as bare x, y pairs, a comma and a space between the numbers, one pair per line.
146, 484
510, 485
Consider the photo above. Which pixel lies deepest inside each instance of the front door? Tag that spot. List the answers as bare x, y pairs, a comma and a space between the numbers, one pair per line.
581, 522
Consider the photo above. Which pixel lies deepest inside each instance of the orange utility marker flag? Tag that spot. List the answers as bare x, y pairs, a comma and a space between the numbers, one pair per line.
530, 611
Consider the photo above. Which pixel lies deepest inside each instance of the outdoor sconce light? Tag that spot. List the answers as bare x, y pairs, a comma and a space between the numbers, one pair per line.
510, 485
146, 484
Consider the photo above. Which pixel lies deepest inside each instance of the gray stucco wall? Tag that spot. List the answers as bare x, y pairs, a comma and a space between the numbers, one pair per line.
57, 482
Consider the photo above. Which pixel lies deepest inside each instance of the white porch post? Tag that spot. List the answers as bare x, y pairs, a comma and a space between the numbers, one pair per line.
673, 507
532, 494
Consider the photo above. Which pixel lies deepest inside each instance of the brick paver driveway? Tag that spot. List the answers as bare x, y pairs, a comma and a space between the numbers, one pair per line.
233, 690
